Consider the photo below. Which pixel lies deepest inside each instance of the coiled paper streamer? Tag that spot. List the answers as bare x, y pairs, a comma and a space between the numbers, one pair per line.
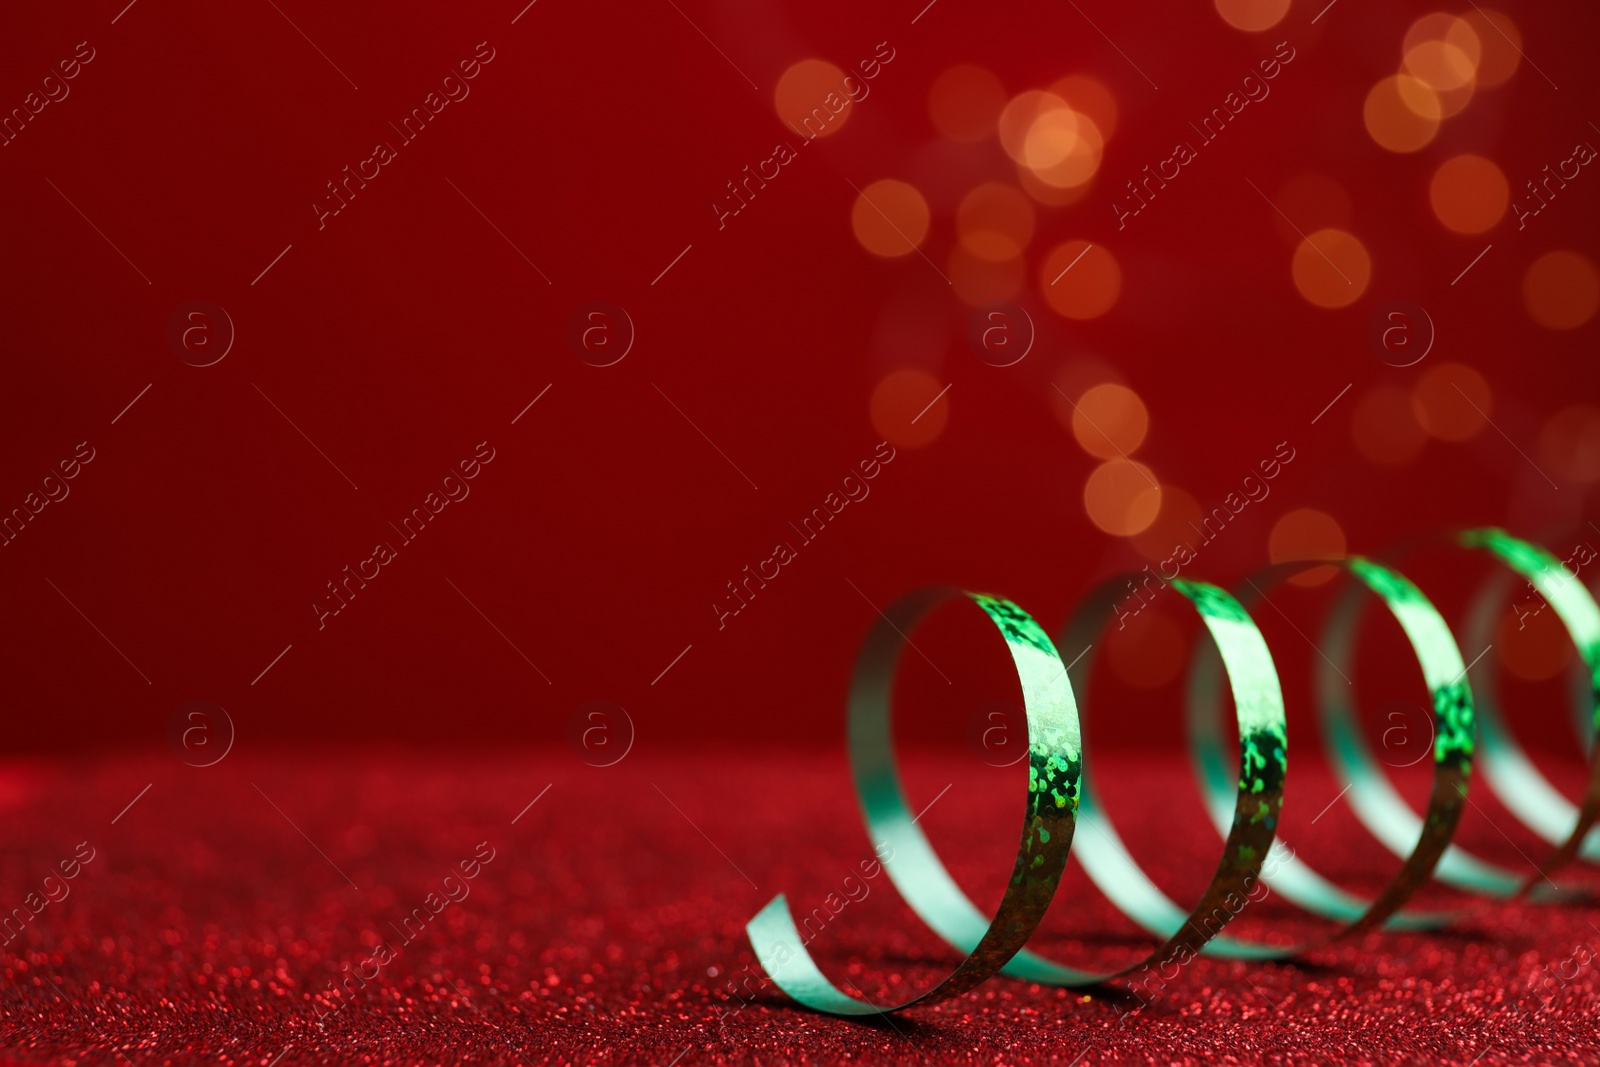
1244, 803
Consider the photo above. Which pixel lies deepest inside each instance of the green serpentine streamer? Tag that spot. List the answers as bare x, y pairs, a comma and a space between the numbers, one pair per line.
1055, 768
1243, 796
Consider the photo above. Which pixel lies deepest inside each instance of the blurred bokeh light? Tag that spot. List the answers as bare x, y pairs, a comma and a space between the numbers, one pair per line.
1331, 268
1452, 401
890, 218
1080, 280
1469, 193
1122, 497
1561, 289
803, 94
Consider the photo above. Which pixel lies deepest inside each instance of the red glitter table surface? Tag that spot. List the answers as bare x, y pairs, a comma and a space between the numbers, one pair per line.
219, 908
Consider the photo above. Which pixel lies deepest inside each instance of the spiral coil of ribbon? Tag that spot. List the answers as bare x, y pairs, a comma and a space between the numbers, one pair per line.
1243, 798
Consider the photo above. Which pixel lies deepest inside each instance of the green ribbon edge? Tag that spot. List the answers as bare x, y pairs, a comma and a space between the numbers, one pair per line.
1055, 760
1443, 670
1526, 793
927, 887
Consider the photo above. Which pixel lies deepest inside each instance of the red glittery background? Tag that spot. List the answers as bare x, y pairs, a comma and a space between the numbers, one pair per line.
608, 926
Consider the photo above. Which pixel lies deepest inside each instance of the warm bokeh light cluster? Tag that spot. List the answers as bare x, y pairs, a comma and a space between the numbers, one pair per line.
1046, 147
1056, 143
1442, 52
1052, 139
1110, 422
1453, 402
1444, 60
